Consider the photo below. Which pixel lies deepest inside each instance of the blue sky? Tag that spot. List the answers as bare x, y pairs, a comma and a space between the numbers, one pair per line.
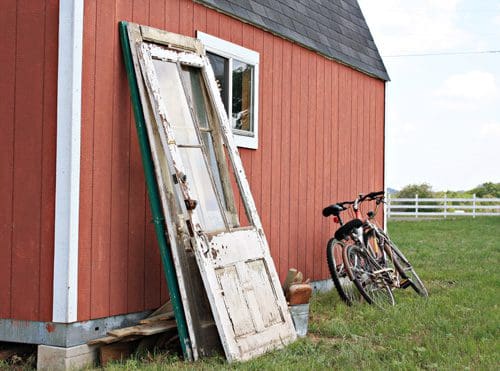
443, 112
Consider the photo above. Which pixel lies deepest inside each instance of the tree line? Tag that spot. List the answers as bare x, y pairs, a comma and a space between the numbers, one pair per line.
424, 190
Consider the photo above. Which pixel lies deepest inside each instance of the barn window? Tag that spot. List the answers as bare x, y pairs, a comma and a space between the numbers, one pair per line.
237, 72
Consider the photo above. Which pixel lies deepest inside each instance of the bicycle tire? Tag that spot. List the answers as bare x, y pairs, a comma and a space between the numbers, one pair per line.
341, 281
360, 267
404, 267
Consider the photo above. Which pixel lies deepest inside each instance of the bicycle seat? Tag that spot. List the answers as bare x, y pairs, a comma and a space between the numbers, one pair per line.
344, 231
334, 209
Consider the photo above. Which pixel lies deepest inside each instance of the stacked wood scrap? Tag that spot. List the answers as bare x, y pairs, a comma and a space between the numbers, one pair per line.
297, 291
121, 343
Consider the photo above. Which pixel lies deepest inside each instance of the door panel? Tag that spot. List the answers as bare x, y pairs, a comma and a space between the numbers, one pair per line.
252, 297
234, 300
259, 276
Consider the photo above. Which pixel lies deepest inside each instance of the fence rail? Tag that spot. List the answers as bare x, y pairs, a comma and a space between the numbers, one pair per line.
442, 207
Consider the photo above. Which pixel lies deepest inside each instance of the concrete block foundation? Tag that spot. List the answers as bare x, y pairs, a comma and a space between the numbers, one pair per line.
73, 358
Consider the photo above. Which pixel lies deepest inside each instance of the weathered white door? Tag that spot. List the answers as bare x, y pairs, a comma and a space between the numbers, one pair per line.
234, 261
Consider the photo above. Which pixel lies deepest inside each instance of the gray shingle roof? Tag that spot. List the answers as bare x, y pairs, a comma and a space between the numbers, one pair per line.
334, 28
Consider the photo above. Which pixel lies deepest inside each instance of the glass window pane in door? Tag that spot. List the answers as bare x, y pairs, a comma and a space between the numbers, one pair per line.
214, 166
208, 209
175, 101
195, 88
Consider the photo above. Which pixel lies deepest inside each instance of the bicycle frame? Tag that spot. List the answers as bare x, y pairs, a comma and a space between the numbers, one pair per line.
367, 227
376, 251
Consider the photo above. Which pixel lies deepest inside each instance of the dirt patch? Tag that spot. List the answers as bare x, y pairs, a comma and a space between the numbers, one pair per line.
329, 340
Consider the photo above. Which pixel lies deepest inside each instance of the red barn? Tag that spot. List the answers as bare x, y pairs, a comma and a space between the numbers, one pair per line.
304, 87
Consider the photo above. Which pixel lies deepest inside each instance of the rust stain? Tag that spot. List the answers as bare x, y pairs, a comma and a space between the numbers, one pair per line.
50, 327
214, 253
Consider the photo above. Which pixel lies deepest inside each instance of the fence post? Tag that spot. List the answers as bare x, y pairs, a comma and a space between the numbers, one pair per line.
445, 205
474, 205
388, 208
416, 206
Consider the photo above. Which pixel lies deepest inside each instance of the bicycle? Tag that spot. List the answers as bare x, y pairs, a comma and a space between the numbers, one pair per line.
363, 253
350, 261
377, 238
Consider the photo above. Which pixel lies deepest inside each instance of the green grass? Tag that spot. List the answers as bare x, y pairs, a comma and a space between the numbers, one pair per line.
457, 327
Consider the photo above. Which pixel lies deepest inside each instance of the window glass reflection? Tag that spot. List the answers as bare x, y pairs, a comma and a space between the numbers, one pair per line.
242, 96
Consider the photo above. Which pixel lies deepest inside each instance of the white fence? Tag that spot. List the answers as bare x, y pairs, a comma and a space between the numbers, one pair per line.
442, 207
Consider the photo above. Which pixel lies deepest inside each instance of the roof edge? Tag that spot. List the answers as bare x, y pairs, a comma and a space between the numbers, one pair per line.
382, 76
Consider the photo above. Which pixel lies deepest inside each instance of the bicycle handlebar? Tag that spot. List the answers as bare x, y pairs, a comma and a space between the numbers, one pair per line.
371, 195
329, 210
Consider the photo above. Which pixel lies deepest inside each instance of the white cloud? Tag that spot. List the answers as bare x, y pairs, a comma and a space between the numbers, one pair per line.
401, 27
443, 116
473, 85
490, 130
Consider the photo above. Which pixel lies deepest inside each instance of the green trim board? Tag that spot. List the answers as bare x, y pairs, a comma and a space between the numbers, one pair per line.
154, 199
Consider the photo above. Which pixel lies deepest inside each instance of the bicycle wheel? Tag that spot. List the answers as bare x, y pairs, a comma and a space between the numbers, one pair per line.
404, 268
343, 284
368, 276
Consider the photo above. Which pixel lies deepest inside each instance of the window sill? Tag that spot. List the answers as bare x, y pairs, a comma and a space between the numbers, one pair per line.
246, 141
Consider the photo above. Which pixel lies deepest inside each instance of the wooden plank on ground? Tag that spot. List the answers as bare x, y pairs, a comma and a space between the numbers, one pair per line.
165, 308
113, 339
145, 329
159, 317
104, 340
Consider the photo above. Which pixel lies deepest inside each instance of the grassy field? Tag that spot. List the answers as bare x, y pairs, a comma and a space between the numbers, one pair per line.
457, 327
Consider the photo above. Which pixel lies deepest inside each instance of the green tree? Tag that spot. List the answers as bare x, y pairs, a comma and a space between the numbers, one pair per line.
423, 190
487, 190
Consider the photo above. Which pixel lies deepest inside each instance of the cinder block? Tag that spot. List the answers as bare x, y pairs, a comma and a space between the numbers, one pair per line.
58, 358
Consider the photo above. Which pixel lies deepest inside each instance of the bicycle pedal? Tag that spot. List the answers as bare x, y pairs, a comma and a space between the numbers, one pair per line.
404, 283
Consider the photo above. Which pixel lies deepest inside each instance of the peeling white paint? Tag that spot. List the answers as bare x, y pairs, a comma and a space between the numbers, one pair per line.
172, 56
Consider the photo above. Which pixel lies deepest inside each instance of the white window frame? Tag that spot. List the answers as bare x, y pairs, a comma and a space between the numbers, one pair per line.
230, 50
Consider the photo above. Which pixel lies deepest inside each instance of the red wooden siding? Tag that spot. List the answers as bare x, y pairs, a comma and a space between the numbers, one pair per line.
320, 141
28, 85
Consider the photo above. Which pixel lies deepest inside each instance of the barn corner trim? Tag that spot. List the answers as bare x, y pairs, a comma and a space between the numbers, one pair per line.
67, 198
